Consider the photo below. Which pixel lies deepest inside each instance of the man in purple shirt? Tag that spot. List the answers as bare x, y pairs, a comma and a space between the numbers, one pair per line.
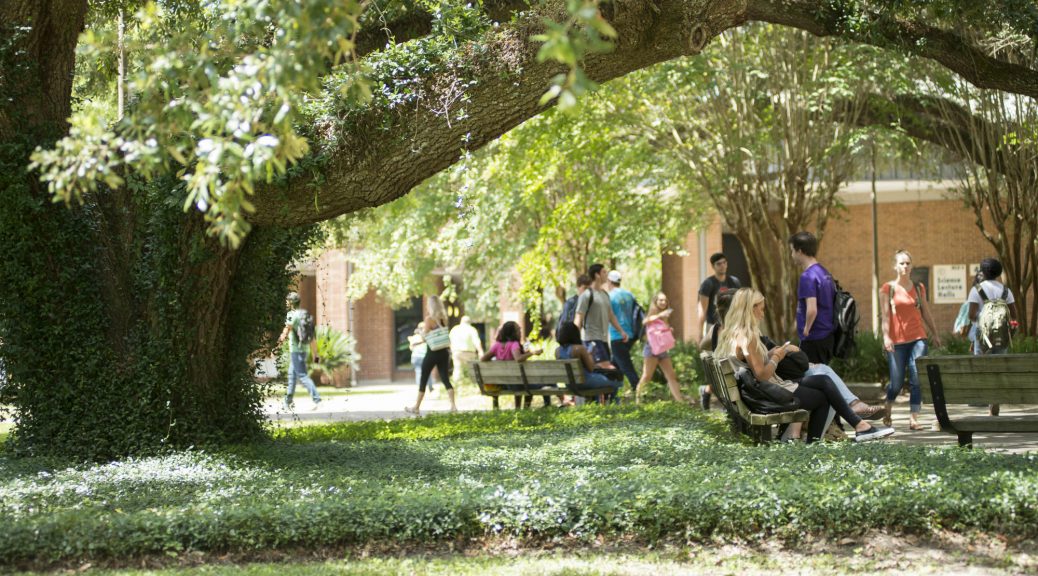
816, 295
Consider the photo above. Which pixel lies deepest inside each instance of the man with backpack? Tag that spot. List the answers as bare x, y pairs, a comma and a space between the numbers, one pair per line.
299, 329
992, 311
816, 296
625, 308
569, 307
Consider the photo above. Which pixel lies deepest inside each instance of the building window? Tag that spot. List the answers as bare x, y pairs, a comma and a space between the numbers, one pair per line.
404, 322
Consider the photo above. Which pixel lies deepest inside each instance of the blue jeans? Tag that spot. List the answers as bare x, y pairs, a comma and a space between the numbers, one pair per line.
902, 363
825, 370
297, 370
622, 359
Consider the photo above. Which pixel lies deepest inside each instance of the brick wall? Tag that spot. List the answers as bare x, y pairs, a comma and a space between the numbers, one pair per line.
682, 277
935, 233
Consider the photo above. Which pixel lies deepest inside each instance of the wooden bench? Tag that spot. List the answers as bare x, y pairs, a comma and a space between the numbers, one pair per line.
559, 378
721, 377
995, 379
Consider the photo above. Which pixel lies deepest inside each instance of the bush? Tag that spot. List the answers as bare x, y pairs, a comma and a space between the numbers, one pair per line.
869, 362
687, 366
646, 472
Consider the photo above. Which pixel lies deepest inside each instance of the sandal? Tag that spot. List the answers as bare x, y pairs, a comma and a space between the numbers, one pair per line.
914, 425
888, 421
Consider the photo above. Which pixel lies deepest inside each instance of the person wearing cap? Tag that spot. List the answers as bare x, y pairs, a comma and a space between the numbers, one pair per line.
466, 346
622, 302
719, 282
297, 352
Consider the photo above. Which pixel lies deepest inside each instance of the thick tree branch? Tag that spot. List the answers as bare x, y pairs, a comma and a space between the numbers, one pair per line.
386, 152
953, 51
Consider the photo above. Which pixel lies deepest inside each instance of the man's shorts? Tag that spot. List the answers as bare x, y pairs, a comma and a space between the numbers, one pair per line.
598, 349
819, 351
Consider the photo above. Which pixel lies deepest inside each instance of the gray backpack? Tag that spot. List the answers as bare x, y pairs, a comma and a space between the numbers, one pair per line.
993, 322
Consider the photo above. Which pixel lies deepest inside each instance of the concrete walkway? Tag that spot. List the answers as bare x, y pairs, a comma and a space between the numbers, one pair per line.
386, 401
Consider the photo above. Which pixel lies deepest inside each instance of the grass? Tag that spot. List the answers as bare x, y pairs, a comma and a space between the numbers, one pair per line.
859, 556
543, 478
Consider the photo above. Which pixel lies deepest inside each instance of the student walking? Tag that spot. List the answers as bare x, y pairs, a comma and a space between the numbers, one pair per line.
437, 339
905, 311
299, 350
657, 321
992, 310
623, 304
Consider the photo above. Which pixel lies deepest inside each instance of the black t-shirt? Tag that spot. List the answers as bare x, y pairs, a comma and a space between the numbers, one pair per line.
711, 287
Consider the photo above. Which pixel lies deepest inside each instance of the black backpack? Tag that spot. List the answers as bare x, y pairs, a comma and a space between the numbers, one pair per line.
638, 322
569, 309
845, 322
304, 328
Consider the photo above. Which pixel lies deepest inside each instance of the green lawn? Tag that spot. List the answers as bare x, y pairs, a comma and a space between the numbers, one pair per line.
657, 473
920, 558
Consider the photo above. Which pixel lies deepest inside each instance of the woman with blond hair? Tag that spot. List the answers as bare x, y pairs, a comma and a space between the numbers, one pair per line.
740, 341
658, 319
904, 310
434, 331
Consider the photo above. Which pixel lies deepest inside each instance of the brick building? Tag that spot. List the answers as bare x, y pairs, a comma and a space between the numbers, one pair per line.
913, 215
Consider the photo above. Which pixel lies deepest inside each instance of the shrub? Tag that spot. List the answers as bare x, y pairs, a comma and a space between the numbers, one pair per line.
687, 366
646, 472
869, 362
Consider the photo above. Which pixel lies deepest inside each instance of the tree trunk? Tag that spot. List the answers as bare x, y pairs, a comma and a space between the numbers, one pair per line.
125, 328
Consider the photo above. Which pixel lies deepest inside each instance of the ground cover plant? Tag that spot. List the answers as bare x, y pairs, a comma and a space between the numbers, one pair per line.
651, 473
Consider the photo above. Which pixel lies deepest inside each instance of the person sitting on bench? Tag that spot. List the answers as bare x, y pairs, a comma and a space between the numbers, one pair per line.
740, 341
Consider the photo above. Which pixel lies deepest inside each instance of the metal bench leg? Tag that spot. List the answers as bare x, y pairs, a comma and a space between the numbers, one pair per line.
497, 405
965, 439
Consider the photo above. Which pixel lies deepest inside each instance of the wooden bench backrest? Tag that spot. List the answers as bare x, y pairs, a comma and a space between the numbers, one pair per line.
1001, 378
721, 375
550, 372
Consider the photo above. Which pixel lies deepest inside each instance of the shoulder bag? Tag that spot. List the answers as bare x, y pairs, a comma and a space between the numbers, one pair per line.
764, 397
438, 338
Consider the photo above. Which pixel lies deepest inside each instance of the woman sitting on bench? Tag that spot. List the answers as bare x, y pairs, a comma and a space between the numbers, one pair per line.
740, 341
508, 345
572, 347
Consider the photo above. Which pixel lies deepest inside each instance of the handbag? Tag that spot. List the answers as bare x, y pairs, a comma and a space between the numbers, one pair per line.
613, 374
438, 339
764, 397
661, 338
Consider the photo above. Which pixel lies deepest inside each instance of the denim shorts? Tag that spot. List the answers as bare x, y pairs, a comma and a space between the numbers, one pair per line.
647, 353
599, 350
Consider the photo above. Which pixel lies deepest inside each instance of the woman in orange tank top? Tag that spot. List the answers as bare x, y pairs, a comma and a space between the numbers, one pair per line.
906, 318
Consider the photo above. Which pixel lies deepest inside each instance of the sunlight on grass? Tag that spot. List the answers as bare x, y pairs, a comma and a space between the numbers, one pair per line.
698, 560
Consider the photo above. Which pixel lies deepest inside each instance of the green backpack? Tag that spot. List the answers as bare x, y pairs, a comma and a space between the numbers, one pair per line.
993, 322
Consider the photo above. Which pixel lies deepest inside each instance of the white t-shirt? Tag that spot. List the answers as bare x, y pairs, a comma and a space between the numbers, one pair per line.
993, 289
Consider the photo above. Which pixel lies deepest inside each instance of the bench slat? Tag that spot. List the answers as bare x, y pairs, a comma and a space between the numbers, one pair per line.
981, 395
997, 423
997, 363
1003, 378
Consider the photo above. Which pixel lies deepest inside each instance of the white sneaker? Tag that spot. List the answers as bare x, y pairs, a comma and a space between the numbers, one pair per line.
873, 433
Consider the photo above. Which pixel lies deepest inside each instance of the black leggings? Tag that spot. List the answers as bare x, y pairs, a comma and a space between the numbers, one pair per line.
439, 359
817, 394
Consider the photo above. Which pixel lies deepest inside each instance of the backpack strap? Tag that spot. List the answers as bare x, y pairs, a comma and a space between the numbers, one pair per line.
1005, 292
918, 293
983, 295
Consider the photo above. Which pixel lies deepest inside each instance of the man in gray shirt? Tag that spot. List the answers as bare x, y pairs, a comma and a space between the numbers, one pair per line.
595, 315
